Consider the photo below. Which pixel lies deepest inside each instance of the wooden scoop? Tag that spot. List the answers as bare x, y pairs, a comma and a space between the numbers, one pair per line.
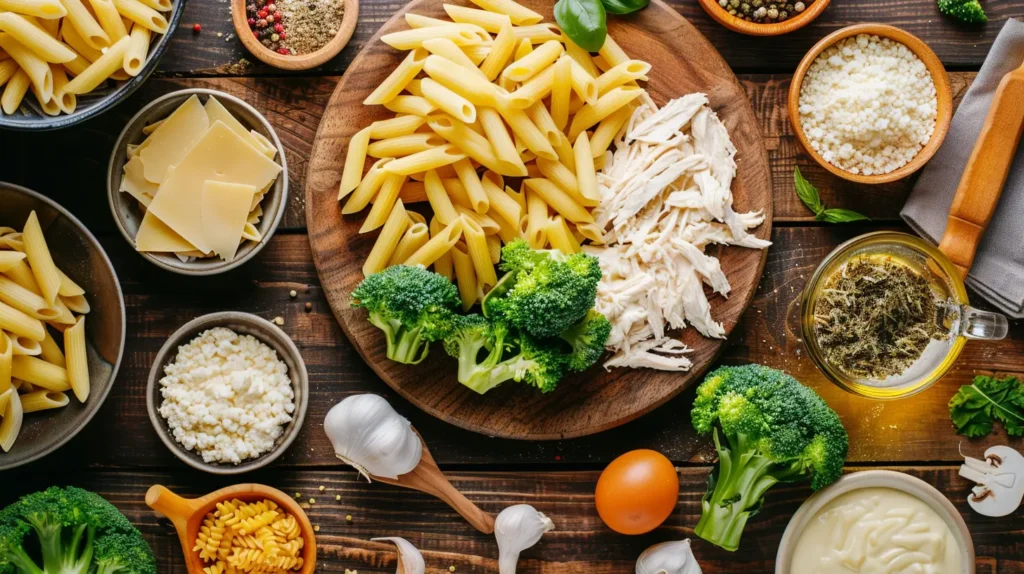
187, 516
427, 477
983, 180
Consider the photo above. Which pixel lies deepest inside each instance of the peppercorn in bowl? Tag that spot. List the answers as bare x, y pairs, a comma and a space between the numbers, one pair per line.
764, 17
294, 34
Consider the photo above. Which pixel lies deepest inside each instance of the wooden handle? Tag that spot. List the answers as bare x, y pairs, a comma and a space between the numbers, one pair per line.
436, 483
987, 169
177, 509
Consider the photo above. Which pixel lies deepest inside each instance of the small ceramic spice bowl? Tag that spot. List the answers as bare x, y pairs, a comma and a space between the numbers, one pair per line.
240, 18
243, 324
813, 9
943, 93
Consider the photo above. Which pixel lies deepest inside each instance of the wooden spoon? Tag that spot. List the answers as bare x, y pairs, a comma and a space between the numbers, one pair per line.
187, 516
982, 181
298, 61
427, 477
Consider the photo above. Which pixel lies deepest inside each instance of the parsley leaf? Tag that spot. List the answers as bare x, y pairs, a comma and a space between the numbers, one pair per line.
808, 194
975, 408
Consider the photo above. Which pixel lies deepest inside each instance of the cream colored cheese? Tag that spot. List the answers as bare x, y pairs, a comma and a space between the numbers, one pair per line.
876, 531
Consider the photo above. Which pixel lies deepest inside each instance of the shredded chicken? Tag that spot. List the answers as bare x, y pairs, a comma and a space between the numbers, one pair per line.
666, 193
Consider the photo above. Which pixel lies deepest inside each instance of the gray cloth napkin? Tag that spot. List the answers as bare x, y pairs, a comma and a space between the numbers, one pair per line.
998, 270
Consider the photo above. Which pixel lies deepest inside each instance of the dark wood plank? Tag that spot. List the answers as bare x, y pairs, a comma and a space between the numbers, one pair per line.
909, 430
207, 53
580, 542
294, 107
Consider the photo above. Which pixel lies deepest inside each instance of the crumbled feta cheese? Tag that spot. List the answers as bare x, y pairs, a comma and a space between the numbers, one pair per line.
868, 105
226, 396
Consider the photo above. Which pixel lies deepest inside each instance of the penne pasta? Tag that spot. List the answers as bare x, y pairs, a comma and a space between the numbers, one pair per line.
407, 104
586, 175
110, 20
507, 157
450, 102
78, 303
111, 61
607, 129
65, 101
40, 373
471, 143
77, 359
8, 68
536, 219
501, 50
605, 106
387, 241
9, 258
37, 69
536, 61
443, 265
142, 15
425, 160
486, 222
519, 14
138, 48
467, 175
461, 34
612, 53
581, 57
465, 276
86, 25
437, 245
25, 346
559, 200
561, 237
14, 92
6, 357
476, 246
43, 400
413, 192
534, 90
26, 301
20, 324
38, 254
583, 84
10, 426
445, 48
538, 33
355, 159
561, 89
527, 132
501, 204
490, 21
394, 127
367, 188
384, 202
494, 248
404, 145
50, 351
46, 9
415, 236
466, 82
625, 73
34, 39
419, 21
398, 79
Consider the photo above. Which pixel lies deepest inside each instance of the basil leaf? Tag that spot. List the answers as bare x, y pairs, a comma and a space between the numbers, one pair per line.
807, 193
840, 216
624, 6
583, 21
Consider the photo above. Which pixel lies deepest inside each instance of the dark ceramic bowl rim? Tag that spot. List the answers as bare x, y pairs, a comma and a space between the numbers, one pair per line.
299, 381
96, 402
114, 196
49, 123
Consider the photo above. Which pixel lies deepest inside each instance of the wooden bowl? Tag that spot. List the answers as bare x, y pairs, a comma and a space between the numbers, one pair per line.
944, 95
740, 25
299, 61
78, 254
187, 516
243, 324
128, 215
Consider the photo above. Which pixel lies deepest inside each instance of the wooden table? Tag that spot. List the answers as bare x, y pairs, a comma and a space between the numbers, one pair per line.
119, 455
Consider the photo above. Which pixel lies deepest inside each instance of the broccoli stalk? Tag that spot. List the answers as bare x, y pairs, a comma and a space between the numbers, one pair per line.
775, 430
412, 306
534, 362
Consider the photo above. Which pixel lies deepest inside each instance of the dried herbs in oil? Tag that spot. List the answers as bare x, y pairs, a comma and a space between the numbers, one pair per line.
874, 317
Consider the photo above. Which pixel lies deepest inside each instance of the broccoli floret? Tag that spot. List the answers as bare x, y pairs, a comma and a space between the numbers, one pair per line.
543, 292
124, 554
587, 339
470, 336
413, 307
967, 11
71, 525
767, 428
506, 356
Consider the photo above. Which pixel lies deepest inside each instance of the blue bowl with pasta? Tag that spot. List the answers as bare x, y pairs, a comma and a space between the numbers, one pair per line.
78, 63
62, 326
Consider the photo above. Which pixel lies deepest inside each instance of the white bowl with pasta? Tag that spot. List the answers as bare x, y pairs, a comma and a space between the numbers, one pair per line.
61, 63
62, 326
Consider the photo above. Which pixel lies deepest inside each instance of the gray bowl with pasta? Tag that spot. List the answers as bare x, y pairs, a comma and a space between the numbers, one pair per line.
77, 254
93, 70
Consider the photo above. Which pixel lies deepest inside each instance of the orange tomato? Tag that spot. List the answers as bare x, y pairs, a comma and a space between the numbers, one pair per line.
637, 492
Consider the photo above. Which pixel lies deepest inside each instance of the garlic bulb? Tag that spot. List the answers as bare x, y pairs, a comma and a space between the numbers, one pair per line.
668, 558
410, 561
369, 435
517, 528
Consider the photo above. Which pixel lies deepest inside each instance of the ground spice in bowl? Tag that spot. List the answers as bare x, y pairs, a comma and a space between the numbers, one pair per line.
293, 27
875, 316
764, 11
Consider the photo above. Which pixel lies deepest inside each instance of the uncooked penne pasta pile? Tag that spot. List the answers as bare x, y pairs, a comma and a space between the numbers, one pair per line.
493, 94
62, 49
38, 305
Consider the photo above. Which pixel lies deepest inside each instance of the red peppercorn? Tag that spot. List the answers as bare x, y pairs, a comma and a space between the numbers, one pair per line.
282, 35
197, 28
255, 33
283, 51
252, 22
278, 28
262, 13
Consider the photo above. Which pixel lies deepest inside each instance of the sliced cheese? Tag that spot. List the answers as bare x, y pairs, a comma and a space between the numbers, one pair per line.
134, 183
155, 236
220, 155
255, 215
173, 139
216, 111
264, 144
250, 233
224, 209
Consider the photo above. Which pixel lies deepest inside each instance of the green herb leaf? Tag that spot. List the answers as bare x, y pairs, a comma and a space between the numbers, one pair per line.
807, 192
583, 21
838, 215
624, 6
976, 407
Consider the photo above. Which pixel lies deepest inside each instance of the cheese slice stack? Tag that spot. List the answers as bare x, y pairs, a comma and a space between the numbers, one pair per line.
200, 177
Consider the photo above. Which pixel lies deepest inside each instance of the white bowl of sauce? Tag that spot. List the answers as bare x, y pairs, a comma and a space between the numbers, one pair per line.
876, 521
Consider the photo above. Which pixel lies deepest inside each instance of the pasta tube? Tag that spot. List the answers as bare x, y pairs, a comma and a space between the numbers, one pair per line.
77, 360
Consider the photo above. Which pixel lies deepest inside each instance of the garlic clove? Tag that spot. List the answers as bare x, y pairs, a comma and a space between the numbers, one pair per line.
668, 558
517, 528
410, 561
370, 435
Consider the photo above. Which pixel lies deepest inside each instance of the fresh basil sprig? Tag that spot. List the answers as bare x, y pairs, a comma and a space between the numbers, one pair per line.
583, 21
624, 6
809, 195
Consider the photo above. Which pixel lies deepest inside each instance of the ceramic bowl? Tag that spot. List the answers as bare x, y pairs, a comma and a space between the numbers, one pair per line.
77, 253
126, 210
876, 479
298, 61
187, 515
30, 116
243, 324
944, 96
742, 26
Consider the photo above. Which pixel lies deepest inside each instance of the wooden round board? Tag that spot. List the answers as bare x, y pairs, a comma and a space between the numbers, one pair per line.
683, 62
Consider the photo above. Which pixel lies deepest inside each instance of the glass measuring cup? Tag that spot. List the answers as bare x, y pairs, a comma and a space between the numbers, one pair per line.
955, 316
